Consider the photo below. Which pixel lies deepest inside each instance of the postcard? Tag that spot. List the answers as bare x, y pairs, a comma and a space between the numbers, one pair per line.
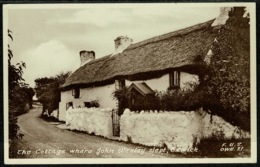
157, 83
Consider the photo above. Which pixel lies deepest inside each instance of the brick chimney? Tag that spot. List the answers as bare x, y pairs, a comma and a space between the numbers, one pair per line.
223, 16
121, 43
86, 56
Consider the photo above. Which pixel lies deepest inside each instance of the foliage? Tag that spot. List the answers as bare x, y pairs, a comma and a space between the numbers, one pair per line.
145, 103
94, 103
189, 98
122, 96
171, 100
20, 94
48, 93
227, 78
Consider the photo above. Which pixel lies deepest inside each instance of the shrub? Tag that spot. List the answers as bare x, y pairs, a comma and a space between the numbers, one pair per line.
121, 95
150, 102
171, 100
94, 103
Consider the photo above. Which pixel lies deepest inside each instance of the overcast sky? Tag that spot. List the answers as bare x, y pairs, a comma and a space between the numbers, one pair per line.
49, 40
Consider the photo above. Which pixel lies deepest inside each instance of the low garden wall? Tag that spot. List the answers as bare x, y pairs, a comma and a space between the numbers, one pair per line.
179, 131
175, 130
91, 120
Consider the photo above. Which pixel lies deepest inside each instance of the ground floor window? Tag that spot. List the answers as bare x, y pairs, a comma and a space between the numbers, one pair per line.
87, 104
68, 105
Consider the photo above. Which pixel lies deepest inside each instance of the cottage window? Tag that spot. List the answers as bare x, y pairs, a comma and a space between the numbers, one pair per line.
175, 79
76, 92
120, 84
87, 104
68, 105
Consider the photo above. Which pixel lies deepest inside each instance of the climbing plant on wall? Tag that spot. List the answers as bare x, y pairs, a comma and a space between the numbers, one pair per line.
228, 75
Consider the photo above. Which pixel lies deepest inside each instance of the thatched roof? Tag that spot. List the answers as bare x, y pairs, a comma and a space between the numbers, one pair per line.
172, 50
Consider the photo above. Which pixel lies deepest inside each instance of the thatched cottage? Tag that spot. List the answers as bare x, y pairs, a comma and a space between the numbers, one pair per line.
168, 60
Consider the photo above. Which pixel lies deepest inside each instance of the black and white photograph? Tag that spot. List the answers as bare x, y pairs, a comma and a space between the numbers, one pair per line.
129, 83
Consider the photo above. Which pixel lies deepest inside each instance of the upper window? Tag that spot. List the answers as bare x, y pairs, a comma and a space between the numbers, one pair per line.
175, 79
76, 92
120, 84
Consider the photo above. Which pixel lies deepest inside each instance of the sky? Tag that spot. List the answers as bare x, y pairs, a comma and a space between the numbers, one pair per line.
49, 40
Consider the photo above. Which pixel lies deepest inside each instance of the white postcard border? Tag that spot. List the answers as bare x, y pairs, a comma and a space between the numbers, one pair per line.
252, 159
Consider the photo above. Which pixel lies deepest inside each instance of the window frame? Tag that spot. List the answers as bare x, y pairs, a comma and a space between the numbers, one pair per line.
68, 105
175, 79
76, 92
119, 84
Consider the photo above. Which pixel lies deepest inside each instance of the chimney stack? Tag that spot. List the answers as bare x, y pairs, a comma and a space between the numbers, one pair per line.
121, 43
86, 56
223, 16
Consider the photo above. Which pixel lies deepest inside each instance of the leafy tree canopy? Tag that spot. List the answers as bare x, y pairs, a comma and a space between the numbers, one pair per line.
47, 91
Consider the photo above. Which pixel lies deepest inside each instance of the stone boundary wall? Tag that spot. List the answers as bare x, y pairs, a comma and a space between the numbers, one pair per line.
91, 120
175, 130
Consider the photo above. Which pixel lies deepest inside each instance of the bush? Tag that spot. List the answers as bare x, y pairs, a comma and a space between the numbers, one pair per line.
122, 96
171, 100
94, 103
150, 102
50, 118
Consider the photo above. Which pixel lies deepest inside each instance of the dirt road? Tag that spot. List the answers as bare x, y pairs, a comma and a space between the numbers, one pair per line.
43, 139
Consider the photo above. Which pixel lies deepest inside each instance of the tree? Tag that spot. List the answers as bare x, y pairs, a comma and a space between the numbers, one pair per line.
19, 93
48, 92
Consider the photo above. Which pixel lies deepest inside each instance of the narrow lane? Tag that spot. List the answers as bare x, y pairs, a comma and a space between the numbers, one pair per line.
43, 139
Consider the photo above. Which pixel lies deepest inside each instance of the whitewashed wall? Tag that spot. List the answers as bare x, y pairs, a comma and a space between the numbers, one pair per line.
174, 129
102, 94
187, 77
91, 120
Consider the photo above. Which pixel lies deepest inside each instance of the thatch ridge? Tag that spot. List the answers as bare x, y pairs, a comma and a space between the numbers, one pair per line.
179, 32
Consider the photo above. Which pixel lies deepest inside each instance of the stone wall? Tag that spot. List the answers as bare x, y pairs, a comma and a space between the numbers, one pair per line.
180, 130
91, 120
174, 129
